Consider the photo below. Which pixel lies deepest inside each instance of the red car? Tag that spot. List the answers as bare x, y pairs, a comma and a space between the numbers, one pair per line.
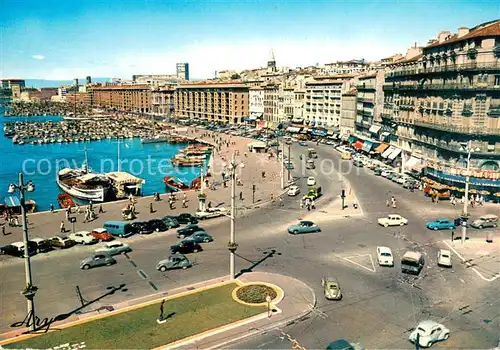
102, 235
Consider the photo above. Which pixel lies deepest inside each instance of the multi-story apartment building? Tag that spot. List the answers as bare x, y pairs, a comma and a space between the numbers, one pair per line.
273, 104
162, 100
182, 71
131, 98
323, 99
370, 99
299, 103
9, 83
347, 67
213, 101
256, 103
288, 103
348, 104
446, 97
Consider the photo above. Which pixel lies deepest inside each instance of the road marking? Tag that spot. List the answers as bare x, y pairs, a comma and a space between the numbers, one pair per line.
155, 288
143, 274
473, 268
358, 264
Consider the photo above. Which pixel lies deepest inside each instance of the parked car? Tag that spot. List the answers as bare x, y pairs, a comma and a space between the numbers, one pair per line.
441, 224
412, 262
114, 248
188, 230
96, 260
210, 213
484, 221
304, 227
303, 143
174, 261
185, 247
393, 220
311, 181
444, 258
17, 249
102, 234
386, 173
331, 288
429, 332
358, 163
157, 225
119, 228
391, 175
342, 344
142, 227
200, 237
384, 256
170, 221
186, 218
42, 245
293, 190
62, 242
83, 237
289, 166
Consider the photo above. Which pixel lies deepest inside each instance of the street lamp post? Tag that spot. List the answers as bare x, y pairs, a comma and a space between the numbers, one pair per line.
29, 290
232, 246
468, 148
282, 168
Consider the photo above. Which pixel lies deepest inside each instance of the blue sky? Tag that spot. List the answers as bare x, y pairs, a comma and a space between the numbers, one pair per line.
117, 38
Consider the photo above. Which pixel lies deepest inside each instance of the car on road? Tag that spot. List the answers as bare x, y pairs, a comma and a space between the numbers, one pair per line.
331, 288
96, 260
188, 230
186, 218
170, 221
444, 258
157, 225
304, 227
114, 248
393, 220
484, 221
412, 262
42, 245
342, 344
185, 247
200, 237
441, 224
293, 191
303, 143
429, 332
102, 234
62, 242
142, 227
384, 256
83, 237
210, 213
289, 165
17, 249
174, 261
311, 181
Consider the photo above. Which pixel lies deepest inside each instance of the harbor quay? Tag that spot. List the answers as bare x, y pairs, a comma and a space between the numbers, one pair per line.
47, 224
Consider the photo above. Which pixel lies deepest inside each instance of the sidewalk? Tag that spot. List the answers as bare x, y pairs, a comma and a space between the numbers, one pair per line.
299, 299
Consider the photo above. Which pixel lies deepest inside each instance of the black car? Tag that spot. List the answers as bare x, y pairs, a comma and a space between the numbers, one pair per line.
188, 230
186, 247
142, 227
157, 225
42, 245
17, 249
186, 218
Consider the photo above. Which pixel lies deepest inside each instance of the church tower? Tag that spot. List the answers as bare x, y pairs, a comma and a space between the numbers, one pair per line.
271, 64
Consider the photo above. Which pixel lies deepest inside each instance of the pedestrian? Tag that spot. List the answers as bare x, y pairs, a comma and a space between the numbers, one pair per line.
184, 203
281, 201
63, 229
16, 221
263, 174
100, 209
452, 236
52, 208
437, 198
3, 230
313, 206
67, 214
241, 195
210, 204
301, 204
387, 203
78, 209
355, 204
91, 206
308, 206
151, 211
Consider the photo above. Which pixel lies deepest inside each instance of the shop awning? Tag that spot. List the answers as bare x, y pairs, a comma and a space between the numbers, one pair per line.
304, 131
367, 146
375, 129
358, 145
414, 163
12, 201
293, 129
352, 139
394, 153
381, 148
388, 152
298, 121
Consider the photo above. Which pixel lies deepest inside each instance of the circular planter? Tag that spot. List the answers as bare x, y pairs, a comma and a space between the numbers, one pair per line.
256, 294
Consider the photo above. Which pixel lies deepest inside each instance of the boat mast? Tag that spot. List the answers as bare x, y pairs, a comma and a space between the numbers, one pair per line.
86, 166
118, 153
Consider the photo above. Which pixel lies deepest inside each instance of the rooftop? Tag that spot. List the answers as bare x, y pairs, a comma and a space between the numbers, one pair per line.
482, 30
122, 87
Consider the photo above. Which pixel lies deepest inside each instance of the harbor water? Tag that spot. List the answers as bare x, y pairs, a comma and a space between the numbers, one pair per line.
40, 163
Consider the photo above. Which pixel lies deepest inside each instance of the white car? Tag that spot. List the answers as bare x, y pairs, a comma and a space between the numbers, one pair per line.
83, 237
393, 220
293, 191
210, 213
444, 258
384, 256
114, 248
386, 173
429, 332
401, 180
311, 181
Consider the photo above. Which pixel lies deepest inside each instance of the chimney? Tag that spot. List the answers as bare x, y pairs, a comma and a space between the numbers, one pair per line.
443, 36
88, 80
463, 31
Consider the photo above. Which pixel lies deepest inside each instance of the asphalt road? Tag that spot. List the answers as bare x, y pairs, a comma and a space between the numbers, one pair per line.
379, 306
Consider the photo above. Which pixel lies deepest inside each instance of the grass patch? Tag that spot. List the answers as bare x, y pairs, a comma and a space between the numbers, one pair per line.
138, 329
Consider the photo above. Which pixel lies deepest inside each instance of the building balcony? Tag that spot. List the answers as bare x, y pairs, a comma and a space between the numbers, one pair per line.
386, 116
434, 87
438, 144
365, 87
472, 66
457, 129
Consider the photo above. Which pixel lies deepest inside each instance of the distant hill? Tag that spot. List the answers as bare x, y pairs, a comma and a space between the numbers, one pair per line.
39, 83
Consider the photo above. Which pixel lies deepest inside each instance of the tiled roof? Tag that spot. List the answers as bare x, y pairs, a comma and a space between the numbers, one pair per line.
482, 30
122, 87
410, 60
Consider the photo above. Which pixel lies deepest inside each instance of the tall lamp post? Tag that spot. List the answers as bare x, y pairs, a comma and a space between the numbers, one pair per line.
467, 148
232, 246
29, 290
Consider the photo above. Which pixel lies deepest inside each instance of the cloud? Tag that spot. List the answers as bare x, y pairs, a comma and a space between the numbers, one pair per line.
38, 57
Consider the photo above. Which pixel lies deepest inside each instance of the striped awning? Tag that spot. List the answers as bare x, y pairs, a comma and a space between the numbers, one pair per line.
351, 139
367, 146
12, 201
388, 152
394, 153
381, 148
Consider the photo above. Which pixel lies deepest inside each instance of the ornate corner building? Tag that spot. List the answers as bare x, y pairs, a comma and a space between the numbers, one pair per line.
443, 98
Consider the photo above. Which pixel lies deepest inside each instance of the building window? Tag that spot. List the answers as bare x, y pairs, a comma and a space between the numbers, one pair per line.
497, 80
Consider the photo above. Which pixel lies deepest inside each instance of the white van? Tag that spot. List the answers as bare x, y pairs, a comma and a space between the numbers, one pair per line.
412, 262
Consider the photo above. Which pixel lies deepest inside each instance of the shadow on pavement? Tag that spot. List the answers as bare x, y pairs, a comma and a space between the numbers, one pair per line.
267, 255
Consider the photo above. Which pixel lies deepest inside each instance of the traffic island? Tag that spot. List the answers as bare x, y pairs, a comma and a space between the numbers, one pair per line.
137, 327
